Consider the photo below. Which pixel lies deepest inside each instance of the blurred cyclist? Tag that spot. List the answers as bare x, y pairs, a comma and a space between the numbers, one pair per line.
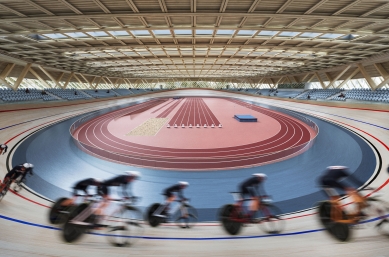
3, 148
331, 180
250, 189
83, 186
19, 170
170, 196
121, 180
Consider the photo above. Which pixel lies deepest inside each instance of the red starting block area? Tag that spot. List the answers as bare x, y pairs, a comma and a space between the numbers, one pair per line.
196, 134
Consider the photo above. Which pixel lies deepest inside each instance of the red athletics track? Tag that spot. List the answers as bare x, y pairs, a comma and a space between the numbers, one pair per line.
293, 137
194, 112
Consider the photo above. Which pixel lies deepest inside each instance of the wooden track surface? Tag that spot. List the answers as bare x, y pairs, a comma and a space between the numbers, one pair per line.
17, 239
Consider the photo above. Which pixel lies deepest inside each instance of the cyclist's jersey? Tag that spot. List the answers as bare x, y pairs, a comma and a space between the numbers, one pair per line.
334, 174
121, 180
251, 186
84, 184
174, 189
15, 172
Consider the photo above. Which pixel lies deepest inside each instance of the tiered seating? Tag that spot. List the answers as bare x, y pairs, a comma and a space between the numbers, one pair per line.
136, 91
100, 93
9, 95
123, 91
379, 95
315, 94
287, 93
68, 94
292, 85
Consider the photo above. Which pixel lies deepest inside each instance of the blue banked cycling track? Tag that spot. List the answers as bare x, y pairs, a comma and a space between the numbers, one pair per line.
291, 183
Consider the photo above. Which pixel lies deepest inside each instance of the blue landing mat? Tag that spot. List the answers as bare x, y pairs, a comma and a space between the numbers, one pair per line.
245, 118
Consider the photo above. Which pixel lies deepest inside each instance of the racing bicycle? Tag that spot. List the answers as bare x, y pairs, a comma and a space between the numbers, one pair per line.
234, 216
184, 215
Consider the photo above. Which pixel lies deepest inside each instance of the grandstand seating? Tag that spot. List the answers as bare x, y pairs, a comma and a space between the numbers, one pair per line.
9, 95
291, 85
68, 94
100, 93
315, 94
379, 95
123, 91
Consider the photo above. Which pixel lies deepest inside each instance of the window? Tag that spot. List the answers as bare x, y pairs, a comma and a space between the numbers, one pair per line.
330, 36
98, 34
288, 34
225, 32
185, 32
55, 36
164, 32
267, 33
140, 33
204, 32
119, 33
76, 35
246, 32
309, 35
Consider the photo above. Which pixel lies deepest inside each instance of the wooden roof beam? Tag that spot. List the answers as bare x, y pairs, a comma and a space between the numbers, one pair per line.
32, 71
355, 72
22, 75
50, 77
338, 76
366, 75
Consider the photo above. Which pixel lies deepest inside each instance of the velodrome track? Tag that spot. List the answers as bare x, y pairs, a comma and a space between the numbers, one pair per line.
27, 235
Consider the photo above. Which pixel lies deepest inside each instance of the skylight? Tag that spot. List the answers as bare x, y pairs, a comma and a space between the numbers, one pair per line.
267, 33
98, 34
119, 33
246, 32
225, 32
162, 32
204, 32
76, 35
309, 35
349, 37
183, 32
139, 33
330, 36
55, 36
288, 34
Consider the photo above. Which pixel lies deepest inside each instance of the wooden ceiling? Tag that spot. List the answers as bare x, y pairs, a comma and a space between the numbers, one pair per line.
201, 39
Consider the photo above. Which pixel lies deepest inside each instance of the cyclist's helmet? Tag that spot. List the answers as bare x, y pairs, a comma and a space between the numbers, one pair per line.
98, 180
3, 146
183, 183
135, 174
260, 175
28, 165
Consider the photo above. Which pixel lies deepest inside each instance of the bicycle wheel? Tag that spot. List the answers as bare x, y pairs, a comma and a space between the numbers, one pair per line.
340, 231
72, 232
153, 220
5, 190
58, 213
270, 220
124, 227
188, 220
226, 213
376, 213
325, 213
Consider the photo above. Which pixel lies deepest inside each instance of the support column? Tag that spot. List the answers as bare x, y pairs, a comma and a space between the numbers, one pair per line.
367, 77
22, 75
